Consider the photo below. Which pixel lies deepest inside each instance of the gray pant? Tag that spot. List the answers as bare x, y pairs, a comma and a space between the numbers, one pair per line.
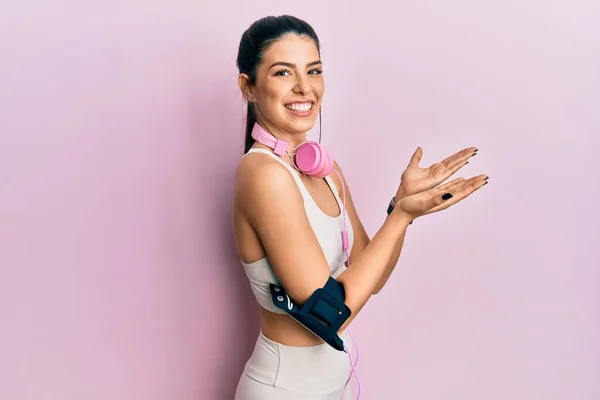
279, 372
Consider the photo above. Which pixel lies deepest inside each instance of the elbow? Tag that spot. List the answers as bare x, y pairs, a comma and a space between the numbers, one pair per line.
356, 294
379, 287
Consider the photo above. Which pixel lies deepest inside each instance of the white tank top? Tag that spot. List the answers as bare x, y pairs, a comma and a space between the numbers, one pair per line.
327, 229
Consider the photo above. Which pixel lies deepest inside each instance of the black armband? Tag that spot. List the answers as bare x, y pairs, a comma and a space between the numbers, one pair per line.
323, 314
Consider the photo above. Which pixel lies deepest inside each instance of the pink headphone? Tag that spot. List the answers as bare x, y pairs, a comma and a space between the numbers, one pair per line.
312, 159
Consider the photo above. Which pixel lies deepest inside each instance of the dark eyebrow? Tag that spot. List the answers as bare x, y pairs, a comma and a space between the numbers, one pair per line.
290, 65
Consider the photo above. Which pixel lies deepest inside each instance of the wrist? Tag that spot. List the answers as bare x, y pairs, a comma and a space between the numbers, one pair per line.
392, 210
401, 218
401, 193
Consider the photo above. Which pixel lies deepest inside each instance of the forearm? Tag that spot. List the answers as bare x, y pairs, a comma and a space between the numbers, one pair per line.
395, 256
371, 265
391, 265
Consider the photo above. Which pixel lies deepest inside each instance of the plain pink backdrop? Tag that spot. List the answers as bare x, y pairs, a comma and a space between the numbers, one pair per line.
121, 125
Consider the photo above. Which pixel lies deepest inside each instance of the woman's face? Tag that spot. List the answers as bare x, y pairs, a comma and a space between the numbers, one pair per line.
289, 85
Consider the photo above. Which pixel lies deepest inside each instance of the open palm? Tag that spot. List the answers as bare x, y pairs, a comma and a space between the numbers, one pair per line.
439, 198
415, 179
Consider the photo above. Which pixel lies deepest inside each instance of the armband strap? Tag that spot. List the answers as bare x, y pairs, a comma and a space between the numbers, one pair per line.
391, 206
323, 314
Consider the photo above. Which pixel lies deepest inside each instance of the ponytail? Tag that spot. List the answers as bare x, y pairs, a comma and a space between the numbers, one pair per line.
250, 121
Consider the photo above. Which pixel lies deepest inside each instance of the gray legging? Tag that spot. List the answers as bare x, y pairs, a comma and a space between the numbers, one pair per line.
279, 372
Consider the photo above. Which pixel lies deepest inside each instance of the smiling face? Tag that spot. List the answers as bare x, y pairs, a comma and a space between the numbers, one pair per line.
288, 88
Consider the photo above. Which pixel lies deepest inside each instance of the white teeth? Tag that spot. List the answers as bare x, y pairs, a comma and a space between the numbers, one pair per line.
301, 107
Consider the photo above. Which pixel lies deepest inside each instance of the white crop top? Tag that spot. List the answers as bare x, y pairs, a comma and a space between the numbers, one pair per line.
327, 229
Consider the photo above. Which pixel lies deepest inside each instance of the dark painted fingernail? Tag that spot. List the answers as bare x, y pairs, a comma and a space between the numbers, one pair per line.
447, 196
486, 178
486, 182
475, 153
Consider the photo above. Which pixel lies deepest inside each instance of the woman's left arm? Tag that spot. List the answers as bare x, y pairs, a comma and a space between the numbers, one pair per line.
414, 179
361, 238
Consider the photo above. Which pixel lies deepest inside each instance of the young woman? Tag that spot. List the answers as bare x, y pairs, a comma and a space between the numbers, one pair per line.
288, 224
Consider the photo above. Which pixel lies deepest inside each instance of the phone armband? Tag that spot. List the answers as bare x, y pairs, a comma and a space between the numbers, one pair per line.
323, 314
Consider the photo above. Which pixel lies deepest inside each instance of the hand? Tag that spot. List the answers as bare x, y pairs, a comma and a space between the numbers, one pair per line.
416, 179
440, 198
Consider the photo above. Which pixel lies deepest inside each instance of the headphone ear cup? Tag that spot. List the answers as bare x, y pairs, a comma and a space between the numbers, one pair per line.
313, 159
329, 165
308, 158
326, 164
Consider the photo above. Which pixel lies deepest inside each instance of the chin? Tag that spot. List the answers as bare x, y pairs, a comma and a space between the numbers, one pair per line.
303, 127
300, 126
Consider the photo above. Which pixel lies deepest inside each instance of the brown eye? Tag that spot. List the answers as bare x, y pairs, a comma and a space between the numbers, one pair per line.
283, 72
315, 71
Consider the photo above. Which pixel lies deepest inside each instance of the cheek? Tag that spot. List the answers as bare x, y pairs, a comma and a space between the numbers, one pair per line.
278, 91
271, 104
273, 97
322, 85
319, 89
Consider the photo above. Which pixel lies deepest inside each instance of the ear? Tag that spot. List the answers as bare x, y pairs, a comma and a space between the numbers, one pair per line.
246, 87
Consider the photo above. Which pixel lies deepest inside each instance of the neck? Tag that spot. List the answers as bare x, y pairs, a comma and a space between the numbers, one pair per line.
293, 139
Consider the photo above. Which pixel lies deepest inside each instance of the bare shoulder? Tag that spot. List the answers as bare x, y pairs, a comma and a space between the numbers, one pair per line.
259, 179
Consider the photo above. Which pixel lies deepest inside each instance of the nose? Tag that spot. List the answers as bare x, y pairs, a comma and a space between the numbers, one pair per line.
302, 85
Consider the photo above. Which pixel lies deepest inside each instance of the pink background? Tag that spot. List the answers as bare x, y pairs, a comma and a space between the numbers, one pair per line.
121, 125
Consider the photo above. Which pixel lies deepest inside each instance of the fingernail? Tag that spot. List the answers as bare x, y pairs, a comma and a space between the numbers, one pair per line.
486, 182
486, 178
447, 196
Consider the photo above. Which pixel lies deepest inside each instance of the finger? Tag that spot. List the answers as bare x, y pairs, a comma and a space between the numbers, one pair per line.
453, 163
441, 172
459, 158
453, 184
458, 164
461, 191
460, 155
467, 187
437, 198
416, 157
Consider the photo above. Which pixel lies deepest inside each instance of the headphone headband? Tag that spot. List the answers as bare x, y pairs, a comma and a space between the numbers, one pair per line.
259, 134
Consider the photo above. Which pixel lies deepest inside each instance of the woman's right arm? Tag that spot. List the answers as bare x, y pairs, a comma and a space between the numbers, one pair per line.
270, 200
